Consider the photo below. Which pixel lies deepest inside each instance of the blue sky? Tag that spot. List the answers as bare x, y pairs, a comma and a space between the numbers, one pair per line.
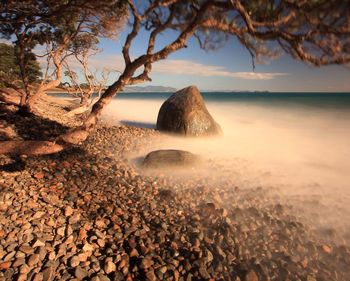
228, 68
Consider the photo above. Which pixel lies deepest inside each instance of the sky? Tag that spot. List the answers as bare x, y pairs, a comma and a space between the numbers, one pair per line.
228, 68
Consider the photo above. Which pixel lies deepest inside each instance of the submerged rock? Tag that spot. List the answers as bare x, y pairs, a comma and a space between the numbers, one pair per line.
185, 113
170, 158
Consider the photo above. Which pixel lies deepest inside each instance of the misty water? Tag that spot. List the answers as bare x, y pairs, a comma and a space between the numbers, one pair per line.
297, 145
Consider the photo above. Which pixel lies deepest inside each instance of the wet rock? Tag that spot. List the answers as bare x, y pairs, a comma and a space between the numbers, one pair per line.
170, 158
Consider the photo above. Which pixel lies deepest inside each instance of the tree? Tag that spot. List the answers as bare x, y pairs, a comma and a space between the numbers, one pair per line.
62, 28
92, 83
316, 32
10, 69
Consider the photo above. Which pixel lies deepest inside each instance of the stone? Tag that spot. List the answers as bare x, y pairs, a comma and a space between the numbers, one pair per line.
103, 277
204, 273
146, 263
24, 269
22, 277
5, 265
38, 214
39, 175
134, 253
101, 242
170, 158
33, 260
68, 211
327, 249
74, 261
185, 113
80, 273
48, 273
38, 243
151, 276
9, 256
26, 249
251, 276
18, 262
88, 248
110, 267
209, 257
74, 218
38, 277
61, 230
52, 256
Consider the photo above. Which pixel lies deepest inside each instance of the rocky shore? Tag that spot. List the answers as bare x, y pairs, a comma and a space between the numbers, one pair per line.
89, 213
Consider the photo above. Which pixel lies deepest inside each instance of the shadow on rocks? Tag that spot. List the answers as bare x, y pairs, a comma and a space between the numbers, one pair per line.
16, 165
30, 126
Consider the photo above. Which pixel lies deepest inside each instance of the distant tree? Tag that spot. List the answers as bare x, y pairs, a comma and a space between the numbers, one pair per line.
10, 70
62, 28
94, 81
91, 83
313, 31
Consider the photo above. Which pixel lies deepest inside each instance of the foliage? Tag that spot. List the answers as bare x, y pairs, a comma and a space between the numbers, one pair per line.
9, 66
61, 27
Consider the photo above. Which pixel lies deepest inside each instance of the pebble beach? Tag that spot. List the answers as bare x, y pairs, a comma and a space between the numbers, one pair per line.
89, 213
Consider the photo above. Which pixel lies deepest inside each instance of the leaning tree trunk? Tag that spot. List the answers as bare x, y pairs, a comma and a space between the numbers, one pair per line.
27, 104
70, 138
76, 135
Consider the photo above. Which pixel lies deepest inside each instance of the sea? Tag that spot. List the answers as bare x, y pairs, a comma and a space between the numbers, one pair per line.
296, 143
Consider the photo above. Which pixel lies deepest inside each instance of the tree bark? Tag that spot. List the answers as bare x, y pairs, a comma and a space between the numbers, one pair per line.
10, 99
84, 99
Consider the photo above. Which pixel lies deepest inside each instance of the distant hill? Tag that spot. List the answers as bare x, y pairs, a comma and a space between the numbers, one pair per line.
150, 89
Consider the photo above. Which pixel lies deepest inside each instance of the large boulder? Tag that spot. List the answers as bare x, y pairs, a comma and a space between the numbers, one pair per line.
169, 158
185, 113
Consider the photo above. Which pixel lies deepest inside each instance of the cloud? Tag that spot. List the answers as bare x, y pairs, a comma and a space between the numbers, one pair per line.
8, 42
176, 67
185, 67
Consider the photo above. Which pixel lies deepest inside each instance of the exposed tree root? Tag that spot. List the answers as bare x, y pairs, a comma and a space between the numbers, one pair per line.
10, 99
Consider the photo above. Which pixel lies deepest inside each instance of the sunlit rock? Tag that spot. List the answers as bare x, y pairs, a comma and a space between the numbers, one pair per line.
185, 113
